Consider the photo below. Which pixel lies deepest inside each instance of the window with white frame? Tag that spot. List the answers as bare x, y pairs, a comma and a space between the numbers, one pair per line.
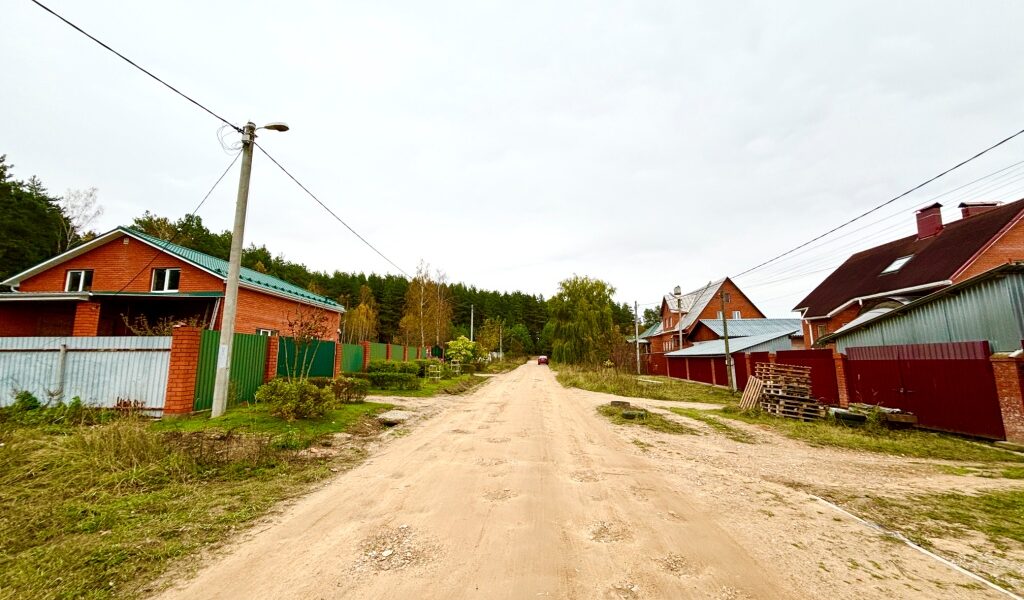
718, 315
822, 330
78, 281
897, 264
266, 332
736, 314
166, 280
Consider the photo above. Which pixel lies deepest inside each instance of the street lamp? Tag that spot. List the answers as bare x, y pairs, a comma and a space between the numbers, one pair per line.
227, 329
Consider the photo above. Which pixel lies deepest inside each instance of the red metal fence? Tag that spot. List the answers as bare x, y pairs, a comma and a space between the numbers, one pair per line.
824, 386
950, 386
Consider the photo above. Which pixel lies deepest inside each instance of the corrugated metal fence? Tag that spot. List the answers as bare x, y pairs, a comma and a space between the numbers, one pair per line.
315, 360
351, 358
248, 360
100, 370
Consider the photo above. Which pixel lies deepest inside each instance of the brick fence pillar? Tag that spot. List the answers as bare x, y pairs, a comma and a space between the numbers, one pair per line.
841, 387
338, 349
366, 355
771, 358
1009, 373
686, 361
273, 349
181, 375
87, 320
713, 369
387, 351
749, 365
405, 354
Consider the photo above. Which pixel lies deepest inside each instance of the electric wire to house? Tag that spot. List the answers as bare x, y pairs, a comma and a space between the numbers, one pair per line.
882, 205
177, 234
329, 211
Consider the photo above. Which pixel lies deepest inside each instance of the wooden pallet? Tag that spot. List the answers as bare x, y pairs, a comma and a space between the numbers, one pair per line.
751, 394
786, 391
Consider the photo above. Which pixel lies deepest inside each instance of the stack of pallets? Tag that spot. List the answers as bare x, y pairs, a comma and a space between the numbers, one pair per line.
786, 391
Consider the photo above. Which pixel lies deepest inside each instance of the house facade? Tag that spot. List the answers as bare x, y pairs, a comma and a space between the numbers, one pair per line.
894, 274
682, 313
124, 280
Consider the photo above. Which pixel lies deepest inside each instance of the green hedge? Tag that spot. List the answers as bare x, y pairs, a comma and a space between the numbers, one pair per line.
391, 366
387, 380
346, 389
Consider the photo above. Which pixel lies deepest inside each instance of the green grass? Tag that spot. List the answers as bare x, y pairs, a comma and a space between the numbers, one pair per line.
983, 471
737, 435
999, 515
610, 381
911, 442
652, 421
256, 419
99, 511
456, 385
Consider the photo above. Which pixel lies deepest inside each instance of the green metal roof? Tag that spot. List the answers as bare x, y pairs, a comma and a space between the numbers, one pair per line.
220, 267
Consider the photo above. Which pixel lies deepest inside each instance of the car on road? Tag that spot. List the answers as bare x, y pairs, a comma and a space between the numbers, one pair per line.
542, 360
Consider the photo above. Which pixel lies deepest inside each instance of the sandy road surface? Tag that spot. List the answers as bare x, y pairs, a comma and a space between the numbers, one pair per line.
521, 490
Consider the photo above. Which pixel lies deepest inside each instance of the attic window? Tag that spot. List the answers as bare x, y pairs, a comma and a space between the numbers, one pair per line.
897, 264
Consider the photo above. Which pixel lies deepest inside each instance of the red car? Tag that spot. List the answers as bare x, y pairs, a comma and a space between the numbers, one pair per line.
542, 360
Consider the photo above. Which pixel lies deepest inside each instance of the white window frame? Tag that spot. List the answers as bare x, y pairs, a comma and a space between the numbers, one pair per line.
736, 314
81, 280
166, 289
266, 332
896, 265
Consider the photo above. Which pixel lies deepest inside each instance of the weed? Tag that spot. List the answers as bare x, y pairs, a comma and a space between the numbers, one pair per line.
728, 431
610, 381
647, 419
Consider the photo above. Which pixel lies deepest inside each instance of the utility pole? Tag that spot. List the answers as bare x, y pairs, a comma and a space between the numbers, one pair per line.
501, 348
471, 322
636, 333
227, 328
725, 336
679, 323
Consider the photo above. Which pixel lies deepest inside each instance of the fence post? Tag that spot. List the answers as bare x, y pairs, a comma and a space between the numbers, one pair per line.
405, 354
338, 349
750, 367
841, 388
387, 351
771, 358
366, 354
1008, 375
87, 320
181, 376
273, 349
713, 369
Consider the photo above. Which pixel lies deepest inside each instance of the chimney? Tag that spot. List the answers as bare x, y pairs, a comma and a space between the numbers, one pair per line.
929, 221
969, 209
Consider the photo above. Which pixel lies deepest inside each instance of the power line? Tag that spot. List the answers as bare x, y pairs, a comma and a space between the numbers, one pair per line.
136, 65
175, 236
329, 211
886, 203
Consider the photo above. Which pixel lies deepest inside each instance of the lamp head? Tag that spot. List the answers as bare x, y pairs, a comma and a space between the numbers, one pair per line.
276, 126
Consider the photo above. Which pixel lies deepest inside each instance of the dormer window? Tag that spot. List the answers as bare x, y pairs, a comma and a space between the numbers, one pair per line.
166, 280
897, 264
78, 281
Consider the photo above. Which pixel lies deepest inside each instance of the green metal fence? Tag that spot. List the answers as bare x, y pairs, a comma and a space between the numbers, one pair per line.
378, 351
396, 352
314, 360
248, 360
351, 358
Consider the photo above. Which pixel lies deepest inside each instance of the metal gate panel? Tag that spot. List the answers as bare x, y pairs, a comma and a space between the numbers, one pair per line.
248, 361
351, 358
315, 360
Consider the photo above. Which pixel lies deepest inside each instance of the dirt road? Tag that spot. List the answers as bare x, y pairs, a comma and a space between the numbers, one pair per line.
520, 490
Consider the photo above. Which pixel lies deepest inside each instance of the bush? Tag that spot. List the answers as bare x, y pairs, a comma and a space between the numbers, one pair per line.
392, 366
395, 381
348, 390
292, 400
25, 400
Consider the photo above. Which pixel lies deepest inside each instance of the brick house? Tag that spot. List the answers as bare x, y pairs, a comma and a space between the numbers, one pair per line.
98, 288
681, 314
880, 279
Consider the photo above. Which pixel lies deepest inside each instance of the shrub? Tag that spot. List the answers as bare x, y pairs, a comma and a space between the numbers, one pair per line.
25, 400
395, 381
349, 390
382, 366
292, 400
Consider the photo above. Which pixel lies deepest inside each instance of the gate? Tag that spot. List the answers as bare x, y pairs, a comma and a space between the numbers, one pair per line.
314, 360
949, 386
351, 358
248, 361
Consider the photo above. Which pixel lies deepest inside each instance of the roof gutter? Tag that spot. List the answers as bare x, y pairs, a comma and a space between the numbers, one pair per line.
915, 288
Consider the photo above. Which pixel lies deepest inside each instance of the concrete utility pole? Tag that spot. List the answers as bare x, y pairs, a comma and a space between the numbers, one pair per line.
471, 322
679, 323
636, 333
227, 328
501, 348
725, 336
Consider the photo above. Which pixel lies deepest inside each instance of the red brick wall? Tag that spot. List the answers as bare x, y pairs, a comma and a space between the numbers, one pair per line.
1007, 248
831, 324
87, 319
115, 263
737, 301
181, 378
263, 311
27, 319
270, 368
1009, 375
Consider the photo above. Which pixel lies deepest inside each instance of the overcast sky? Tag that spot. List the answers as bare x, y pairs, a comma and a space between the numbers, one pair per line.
650, 144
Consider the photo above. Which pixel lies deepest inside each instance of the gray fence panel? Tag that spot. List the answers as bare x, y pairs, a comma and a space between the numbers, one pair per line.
99, 370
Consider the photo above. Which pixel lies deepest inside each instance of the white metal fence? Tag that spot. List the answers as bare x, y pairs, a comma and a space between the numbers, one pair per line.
100, 370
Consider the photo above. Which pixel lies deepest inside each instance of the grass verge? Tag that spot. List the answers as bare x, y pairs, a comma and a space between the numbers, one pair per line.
737, 435
430, 387
911, 442
100, 511
610, 381
651, 421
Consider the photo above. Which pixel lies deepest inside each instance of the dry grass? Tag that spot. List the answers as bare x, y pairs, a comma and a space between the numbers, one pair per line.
649, 420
